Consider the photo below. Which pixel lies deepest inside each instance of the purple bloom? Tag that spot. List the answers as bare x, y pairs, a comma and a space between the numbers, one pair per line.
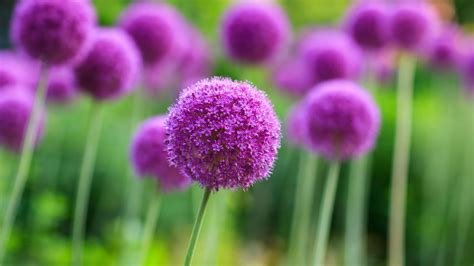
385, 66
466, 66
61, 86
412, 25
295, 125
150, 158
157, 30
330, 54
223, 134
444, 49
56, 31
110, 68
368, 25
293, 77
17, 70
342, 120
16, 105
254, 32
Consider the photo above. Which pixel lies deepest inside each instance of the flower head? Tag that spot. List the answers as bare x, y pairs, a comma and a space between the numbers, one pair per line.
61, 85
254, 32
223, 134
444, 50
466, 66
150, 158
110, 68
15, 70
368, 25
293, 77
16, 105
342, 120
330, 54
55, 31
157, 29
295, 125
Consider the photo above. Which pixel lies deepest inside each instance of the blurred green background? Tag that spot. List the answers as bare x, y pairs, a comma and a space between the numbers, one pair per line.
245, 228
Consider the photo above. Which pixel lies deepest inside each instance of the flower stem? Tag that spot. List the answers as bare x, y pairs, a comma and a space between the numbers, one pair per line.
25, 159
305, 185
85, 179
401, 158
150, 225
197, 227
322, 235
356, 211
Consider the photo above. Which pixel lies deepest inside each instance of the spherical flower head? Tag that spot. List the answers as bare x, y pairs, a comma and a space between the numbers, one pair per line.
293, 77
342, 120
295, 125
157, 30
16, 70
368, 25
223, 134
331, 54
149, 156
444, 49
16, 105
254, 33
62, 86
55, 31
111, 66
412, 25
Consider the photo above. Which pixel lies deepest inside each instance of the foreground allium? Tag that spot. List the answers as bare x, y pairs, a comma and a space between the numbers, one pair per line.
150, 158
412, 25
16, 70
61, 86
331, 55
157, 30
16, 105
254, 32
342, 120
110, 68
368, 25
295, 125
54, 31
223, 134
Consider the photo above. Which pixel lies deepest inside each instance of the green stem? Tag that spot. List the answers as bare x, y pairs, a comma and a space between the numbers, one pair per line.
85, 179
305, 185
150, 225
322, 235
401, 158
25, 159
356, 211
197, 227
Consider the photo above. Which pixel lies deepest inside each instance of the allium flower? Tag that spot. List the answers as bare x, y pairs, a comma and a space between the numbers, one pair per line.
466, 67
55, 31
17, 70
223, 134
61, 86
342, 120
16, 105
254, 32
157, 29
412, 25
295, 125
150, 158
331, 55
110, 68
293, 77
368, 25
444, 51
384, 66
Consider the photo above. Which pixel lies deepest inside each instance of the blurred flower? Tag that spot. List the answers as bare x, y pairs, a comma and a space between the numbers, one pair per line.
254, 33
384, 66
16, 105
295, 125
412, 25
444, 51
466, 66
111, 67
342, 120
150, 158
368, 25
331, 54
223, 134
293, 77
62, 87
15, 69
54, 31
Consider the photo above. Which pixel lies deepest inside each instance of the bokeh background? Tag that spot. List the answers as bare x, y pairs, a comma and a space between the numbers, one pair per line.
252, 227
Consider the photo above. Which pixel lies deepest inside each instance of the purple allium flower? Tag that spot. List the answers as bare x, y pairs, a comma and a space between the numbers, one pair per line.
331, 55
254, 32
157, 29
293, 77
466, 66
61, 86
15, 69
150, 158
223, 134
55, 31
295, 125
16, 105
444, 49
342, 120
110, 68
412, 25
